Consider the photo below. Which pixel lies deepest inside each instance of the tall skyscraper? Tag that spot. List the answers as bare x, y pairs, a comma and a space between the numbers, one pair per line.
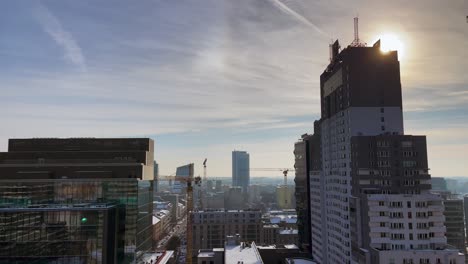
241, 169
369, 195
78, 200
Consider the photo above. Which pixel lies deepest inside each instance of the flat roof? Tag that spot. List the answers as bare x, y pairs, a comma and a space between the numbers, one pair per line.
246, 254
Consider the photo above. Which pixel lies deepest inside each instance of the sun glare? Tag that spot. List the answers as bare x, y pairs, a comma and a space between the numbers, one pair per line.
390, 42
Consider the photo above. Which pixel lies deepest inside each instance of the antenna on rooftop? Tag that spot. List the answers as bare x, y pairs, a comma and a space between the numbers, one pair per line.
357, 42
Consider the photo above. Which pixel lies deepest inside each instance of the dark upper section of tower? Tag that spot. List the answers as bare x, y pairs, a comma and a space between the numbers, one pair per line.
360, 77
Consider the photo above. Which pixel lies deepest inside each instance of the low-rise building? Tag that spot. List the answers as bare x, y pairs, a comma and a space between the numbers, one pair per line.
269, 234
211, 256
211, 227
162, 223
241, 252
288, 236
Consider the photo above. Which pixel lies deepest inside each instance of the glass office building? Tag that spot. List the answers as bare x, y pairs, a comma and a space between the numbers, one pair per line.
64, 220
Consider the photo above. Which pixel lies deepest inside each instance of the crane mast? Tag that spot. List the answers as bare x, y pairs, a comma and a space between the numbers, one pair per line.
191, 181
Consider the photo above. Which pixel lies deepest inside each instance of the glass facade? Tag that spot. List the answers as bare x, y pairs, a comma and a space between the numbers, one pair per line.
60, 234
133, 195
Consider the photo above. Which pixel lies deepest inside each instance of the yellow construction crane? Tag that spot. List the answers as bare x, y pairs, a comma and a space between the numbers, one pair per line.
191, 181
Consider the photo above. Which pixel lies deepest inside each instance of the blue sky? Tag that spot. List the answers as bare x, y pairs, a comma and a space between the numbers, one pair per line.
203, 78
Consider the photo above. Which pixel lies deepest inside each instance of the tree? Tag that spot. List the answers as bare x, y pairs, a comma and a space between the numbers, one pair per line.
173, 243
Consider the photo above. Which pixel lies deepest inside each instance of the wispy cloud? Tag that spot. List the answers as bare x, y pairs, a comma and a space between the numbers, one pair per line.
52, 26
240, 73
283, 7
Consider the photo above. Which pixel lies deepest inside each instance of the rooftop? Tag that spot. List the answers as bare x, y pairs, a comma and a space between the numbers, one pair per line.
299, 261
288, 232
242, 253
157, 257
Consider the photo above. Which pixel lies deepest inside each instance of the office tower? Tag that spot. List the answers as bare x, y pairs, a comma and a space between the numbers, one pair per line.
241, 169
211, 227
373, 184
186, 171
438, 184
71, 183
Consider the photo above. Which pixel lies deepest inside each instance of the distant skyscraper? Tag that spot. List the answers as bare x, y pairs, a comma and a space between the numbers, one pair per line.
241, 169
438, 184
182, 171
369, 194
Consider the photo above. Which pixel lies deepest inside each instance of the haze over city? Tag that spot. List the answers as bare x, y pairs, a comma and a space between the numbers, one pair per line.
203, 78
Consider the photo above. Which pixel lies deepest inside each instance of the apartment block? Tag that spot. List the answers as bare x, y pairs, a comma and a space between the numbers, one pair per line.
211, 227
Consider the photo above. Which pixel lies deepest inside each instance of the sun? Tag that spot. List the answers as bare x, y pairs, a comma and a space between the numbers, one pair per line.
390, 42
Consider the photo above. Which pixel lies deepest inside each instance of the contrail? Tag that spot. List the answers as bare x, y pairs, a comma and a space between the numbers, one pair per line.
52, 26
293, 13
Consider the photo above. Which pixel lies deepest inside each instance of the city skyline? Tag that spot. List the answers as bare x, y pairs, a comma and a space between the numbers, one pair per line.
202, 89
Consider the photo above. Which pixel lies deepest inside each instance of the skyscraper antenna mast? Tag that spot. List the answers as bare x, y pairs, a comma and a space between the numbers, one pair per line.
357, 42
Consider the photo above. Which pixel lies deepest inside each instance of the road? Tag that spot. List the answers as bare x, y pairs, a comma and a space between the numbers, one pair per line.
178, 230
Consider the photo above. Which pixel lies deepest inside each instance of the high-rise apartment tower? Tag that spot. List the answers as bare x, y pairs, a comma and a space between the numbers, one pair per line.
369, 192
